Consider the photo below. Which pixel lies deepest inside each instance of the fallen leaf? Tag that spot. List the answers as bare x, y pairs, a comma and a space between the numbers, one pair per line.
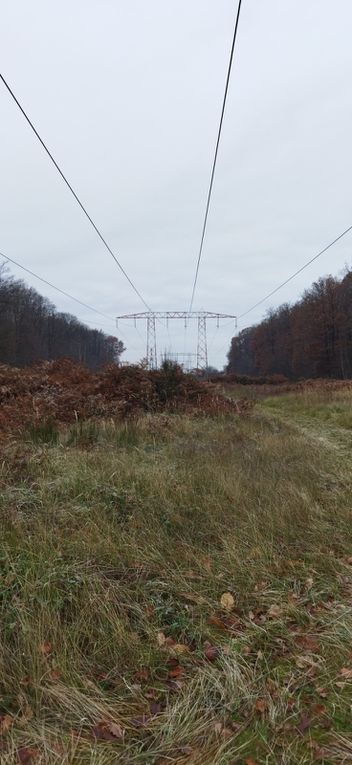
116, 730
26, 681
260, 706
176, 671
150, 693
214, 621
193, 598
27, 713
318, 709
304, 723
180, 648
45, 648
27, 755
160, 639
318, 752
346, 672
249, 761
149, 610
232, 620
274, 611
142, 675
226, 732
308, 643
187, 750
211, 652
272, 686
322, 692
108, 731
155, 708
222, 730
5, 723
54, 675
140, 722
174, 686
227, 601
190, 574
304, 661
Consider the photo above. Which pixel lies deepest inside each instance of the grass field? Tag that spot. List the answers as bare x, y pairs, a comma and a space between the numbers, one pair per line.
179, 590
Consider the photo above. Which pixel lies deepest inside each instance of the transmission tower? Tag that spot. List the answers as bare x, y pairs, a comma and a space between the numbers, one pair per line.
152, 358
151, 317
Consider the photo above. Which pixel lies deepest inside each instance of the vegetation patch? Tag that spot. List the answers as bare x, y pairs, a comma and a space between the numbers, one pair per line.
38, 399
176, 590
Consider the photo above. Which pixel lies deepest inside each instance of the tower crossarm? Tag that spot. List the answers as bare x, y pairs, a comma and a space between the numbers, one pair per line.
178, 315
201, 317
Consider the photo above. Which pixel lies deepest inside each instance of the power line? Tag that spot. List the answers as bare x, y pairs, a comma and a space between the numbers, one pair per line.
296, 273
58, 289
216, 154
96, 229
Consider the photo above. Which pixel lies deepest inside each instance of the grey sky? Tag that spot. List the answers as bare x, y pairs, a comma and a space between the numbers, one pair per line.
127, 95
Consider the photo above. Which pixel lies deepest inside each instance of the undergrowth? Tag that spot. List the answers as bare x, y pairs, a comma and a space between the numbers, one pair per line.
175, 591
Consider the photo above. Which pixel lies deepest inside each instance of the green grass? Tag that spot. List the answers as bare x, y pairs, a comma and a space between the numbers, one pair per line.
115, 536
330, 408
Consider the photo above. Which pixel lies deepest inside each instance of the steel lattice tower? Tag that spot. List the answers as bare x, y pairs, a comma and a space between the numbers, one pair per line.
152, 358
151, 317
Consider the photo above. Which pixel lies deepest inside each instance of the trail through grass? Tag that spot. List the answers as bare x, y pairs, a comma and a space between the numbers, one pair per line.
118, 543
325, 416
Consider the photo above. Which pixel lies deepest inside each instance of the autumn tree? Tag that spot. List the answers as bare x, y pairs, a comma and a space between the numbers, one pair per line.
31, 329
312, 338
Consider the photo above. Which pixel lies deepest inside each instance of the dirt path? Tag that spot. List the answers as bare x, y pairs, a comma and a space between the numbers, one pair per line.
325, 433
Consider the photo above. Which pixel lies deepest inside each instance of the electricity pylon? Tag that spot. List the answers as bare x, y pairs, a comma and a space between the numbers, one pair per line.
151, 317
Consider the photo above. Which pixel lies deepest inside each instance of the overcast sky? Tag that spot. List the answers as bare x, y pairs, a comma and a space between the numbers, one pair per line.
127, 94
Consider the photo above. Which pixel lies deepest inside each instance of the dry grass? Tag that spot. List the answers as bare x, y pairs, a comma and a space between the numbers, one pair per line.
113, 534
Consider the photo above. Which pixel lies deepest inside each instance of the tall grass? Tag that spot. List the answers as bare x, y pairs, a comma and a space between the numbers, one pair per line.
117, 537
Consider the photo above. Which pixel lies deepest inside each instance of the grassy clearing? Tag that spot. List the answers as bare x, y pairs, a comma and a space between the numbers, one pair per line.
331, 408
118, 542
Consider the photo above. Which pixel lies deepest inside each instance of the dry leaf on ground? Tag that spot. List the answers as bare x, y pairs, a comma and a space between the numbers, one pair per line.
346, 672
275, 611
176, 671
180, 648
193, 598
227, 601
211, 652
108, 731
5, 723
260, 706
54, 675
27, 755
319, 709
304, 723
142, 675
214, 621
45, 648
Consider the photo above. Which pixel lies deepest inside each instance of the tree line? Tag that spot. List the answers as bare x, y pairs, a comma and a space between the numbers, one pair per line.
312, 338
31, 329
